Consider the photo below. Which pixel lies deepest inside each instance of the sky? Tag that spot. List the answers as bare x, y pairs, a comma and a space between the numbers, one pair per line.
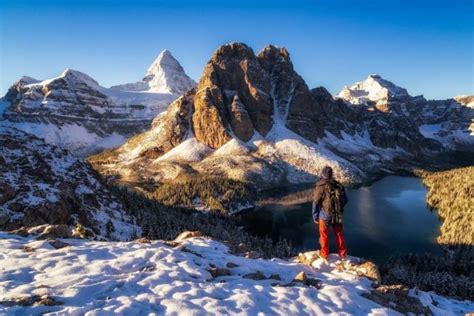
424, 46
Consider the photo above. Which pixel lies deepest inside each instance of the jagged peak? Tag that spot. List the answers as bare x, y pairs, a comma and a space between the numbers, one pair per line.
273, 51
233, 49
164, 62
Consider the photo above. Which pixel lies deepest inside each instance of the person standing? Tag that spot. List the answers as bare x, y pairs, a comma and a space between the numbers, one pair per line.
329, 199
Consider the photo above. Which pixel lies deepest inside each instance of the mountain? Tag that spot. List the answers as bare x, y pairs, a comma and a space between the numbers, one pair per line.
73, 111
165, 75
252, 118
44, 184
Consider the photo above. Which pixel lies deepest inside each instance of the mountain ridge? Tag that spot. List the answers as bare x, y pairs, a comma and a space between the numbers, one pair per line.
252, 118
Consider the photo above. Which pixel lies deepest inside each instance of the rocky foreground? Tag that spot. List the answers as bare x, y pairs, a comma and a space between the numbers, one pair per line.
191, 275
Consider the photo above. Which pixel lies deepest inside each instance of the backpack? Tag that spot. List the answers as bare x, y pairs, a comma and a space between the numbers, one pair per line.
333, 201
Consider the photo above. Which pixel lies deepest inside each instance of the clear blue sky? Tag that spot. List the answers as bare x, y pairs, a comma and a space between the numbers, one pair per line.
425, 46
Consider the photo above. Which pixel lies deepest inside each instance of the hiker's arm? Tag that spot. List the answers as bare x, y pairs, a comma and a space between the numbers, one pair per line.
316, 204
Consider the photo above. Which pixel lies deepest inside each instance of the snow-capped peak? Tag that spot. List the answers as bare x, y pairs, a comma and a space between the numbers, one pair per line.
165, 75
74, 75
374, 88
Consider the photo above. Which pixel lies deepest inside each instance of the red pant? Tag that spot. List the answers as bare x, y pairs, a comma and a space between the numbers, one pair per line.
323, 239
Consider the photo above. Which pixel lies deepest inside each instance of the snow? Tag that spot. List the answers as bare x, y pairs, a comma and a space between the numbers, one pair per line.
374, 88
190, 150
96, 278
165, 75
73, 137
430, 130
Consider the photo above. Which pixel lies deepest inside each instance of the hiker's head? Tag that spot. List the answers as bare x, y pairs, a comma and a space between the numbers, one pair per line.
326, 173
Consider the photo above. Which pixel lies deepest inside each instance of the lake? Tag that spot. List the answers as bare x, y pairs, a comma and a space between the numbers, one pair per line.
388, 217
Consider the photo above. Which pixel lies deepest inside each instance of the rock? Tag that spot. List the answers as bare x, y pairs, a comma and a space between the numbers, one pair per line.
34, 300
188, 234
172, 243
58, 244
217, 272
396, 297
143, 240
240, 120
27, 249
231, 265
209, 122
257, 276
313, 282
369, 270
308, 257
23, 232
275, 277
300, 277
55, 231
7, 193
252, 255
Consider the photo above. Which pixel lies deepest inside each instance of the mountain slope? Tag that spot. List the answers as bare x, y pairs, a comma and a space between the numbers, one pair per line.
44, 184
73, 111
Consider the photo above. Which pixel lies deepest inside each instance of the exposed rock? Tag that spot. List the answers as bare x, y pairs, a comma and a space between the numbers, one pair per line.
308, 257
23, 232
143, 240
217, 272
257, 276
27, 249
240, 120
300, 277
58, 244
369, 270
34, 300
396, 297
188, 234
231, 265
54, 231
208, 118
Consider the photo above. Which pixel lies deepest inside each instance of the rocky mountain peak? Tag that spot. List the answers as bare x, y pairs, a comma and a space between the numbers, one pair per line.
166, 75
373, 89
75, 76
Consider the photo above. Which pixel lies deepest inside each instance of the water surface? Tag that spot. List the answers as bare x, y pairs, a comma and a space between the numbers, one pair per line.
388, 217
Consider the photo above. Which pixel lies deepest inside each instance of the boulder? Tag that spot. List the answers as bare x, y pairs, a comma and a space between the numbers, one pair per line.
58, 244
55, 231
188, 234
217, 272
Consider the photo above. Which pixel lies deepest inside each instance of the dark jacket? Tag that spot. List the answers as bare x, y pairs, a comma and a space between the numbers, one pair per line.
318, 212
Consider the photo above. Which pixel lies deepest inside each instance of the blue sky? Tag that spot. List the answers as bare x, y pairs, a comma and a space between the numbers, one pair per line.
424, 46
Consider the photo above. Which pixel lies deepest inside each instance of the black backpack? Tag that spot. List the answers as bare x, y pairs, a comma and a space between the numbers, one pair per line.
333, 201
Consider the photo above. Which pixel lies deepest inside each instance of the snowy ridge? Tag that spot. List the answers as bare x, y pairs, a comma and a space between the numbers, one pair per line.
374, 88
134, 278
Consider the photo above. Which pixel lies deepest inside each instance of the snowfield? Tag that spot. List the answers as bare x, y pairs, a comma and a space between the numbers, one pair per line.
130, 278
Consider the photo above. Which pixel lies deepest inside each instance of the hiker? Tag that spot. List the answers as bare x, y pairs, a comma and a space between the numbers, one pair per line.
329, 198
